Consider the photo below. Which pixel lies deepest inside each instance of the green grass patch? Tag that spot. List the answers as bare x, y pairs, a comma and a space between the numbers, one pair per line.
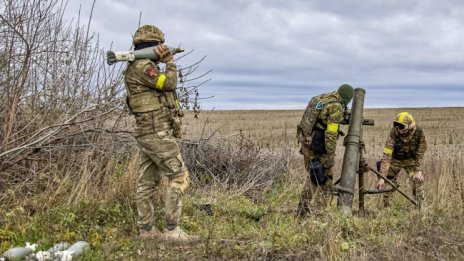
243, 228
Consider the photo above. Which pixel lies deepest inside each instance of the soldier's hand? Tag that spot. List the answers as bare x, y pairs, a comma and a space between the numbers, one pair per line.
380, 184
418, 176
163, 53
327, 160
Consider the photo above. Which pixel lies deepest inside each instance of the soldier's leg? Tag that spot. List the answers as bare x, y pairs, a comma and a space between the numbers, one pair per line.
308, 188
326, 189
416, 186
314, 195
165, 153
174, 194
392, 176
418, 191
305, 197
147, 184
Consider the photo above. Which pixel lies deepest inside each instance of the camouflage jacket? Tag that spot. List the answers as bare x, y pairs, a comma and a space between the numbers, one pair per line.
324, 134
145, 82
407, 150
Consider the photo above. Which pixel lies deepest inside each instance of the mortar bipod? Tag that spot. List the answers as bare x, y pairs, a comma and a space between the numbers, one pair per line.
394, 188
363, 191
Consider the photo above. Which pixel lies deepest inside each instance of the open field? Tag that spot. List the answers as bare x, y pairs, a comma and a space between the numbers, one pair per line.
274, 129
252, 220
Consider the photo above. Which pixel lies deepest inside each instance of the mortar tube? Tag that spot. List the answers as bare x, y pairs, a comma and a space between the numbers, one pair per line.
351, 157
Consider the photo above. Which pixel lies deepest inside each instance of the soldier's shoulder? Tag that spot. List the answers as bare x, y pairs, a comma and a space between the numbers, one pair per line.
420, 131
142, 63
334, 106
392, 133
141, 66
333, 110
331, 97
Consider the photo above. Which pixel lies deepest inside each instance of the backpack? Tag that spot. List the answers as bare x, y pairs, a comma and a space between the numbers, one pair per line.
311, 114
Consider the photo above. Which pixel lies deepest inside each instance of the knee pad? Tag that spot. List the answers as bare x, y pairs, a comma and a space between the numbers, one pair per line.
174, 164
180, 182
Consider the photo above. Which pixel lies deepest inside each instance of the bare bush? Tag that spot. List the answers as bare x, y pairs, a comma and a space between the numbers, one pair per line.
57, 97
62, 108
189, 83
235, 163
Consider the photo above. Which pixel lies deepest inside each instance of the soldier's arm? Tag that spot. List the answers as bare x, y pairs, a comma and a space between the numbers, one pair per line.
170, 82
421, 151
333, 115
387, 153
161, 81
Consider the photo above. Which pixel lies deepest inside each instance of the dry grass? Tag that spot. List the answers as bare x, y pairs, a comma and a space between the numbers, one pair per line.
442, 166
274, 129
95, 202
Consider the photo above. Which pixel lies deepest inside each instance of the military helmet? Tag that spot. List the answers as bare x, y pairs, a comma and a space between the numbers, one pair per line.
346, 93
148, 33
404, 122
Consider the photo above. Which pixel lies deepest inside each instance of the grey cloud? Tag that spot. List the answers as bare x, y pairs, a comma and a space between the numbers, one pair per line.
259, 48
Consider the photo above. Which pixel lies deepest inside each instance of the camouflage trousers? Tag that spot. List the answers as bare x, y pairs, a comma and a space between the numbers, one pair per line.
314, 197
416, 186
160, 156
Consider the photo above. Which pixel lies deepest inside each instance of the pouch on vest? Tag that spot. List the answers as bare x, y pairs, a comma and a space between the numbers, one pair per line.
144, 102
177, 126
407, 150
316, 173
318, 142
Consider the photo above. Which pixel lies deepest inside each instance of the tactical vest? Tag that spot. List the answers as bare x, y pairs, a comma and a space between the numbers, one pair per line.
312, 112
147, 99
407, 150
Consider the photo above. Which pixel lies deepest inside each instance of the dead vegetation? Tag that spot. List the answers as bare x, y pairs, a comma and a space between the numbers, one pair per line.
235, 163
62, 108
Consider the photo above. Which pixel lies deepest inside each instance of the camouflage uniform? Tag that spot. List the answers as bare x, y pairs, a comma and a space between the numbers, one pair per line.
151, 100
404, 153
321, 145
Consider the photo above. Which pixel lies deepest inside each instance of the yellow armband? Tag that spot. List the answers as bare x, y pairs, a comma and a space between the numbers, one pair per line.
332, 127
388, 151
160, 82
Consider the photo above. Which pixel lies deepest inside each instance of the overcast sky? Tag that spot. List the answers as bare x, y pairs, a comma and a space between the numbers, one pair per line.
270, 54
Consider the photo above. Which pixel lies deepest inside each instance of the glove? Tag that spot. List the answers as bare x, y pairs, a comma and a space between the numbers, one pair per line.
163, 53
380, 184
327, 160
417, 175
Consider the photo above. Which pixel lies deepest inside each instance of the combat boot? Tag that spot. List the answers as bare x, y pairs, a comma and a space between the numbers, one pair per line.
302, 209
149, 234
177, 234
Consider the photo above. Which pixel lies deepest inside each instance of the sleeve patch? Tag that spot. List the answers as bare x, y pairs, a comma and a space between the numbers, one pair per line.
151, 72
